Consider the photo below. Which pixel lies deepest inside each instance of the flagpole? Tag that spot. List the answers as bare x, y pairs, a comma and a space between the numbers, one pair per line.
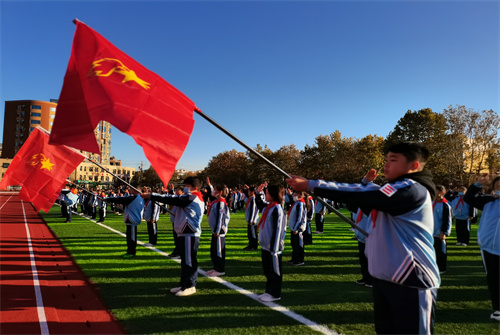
123, 181
225, 131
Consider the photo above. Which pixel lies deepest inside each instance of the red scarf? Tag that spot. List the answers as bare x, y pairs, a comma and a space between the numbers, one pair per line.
437, 202
198, 194
360, 216
213, 203
374, 214
460, 201
248, 201
262, 220
290, 210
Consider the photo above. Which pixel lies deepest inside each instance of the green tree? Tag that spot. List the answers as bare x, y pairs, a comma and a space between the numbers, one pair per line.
228, 167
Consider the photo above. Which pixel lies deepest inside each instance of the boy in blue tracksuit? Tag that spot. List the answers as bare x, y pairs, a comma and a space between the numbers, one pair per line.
187, 224
101, 202
463, 214
132, 216
399, 249
488, 235
442, 226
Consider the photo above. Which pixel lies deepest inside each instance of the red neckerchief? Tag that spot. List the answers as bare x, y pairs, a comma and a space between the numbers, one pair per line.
213, 203
437, 202
248, 201
198, 194
262, 220
360, 216
460, 201
290, 210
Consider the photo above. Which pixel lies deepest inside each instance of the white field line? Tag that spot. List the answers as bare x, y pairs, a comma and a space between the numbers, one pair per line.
305, 321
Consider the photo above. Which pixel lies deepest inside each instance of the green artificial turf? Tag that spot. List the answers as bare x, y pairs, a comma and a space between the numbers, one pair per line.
323, 290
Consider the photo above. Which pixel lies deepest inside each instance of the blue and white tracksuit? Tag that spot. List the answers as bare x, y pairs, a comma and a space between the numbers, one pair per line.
272, 242
462, 213
297, 222
488, 237
187, 225
399, 249
218, 220
442, 224
319, 215
152, 215
252, 218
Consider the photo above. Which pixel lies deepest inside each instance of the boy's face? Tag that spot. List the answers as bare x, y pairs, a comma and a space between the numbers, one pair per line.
396, 165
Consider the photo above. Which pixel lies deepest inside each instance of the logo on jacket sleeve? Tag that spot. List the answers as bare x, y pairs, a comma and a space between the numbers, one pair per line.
388, 190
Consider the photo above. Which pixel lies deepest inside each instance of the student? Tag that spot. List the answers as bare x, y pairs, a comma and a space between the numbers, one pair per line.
364, 222
442, 226
400, 251
177, 191
272, 227
252, 218
463, 214
151, 215
218, 219
102, 203
488, 235
297, 221
69, 200
310, 214
132, 216
319, 216
187, 224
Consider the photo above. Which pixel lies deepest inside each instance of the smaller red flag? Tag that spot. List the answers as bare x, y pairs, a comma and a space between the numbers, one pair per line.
41, 169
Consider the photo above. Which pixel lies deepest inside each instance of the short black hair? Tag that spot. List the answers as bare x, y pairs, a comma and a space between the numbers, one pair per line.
413, 151
277, 192
440, 188
193, 181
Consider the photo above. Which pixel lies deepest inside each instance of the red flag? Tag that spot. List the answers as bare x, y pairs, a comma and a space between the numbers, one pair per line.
103, 83
41, 169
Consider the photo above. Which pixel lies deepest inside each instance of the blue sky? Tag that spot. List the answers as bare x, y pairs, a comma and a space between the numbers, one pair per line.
271, 72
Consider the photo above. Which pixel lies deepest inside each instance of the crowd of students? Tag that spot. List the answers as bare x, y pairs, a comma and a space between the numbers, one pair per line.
407, 220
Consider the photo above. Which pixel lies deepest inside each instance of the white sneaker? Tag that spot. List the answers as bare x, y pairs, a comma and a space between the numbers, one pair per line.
266, 297
214, 273
318, 232
464, 244
495, 315
176, 289
186, 292
458, 243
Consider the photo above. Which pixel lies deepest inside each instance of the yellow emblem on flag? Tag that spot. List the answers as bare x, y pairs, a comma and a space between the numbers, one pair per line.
108, 66
43, 160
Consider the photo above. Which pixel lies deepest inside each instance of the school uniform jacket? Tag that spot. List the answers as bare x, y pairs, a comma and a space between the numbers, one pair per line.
218, 217
297, 219
442, 217
488, 233
460, 209
251, 211
188, 214
400, 247
272, 230
151, 211
133, 208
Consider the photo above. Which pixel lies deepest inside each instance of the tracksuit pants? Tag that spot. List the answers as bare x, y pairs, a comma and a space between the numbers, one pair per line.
441, 255
319, 219
252, 236
401, 309
363, 262
463, 231
297, 243
131, 238
188, 249
218, 252
491, 264
152, 232
272, 266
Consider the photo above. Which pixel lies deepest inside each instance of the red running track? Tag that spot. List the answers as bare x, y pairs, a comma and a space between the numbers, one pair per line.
42, 290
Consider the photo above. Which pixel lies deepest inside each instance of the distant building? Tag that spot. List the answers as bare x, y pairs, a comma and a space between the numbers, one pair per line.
21, 117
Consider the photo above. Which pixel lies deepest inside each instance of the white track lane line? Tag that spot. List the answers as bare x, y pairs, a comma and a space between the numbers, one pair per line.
6, 201
42, 319
311, 324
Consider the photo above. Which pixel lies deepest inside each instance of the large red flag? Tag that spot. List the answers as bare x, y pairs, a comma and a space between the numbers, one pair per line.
41, 169
103, 83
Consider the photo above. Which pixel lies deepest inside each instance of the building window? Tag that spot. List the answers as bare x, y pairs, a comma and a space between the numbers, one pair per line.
91, 168
32, 128
5, 165
36, 107
52, 109
36, 122
36, 114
